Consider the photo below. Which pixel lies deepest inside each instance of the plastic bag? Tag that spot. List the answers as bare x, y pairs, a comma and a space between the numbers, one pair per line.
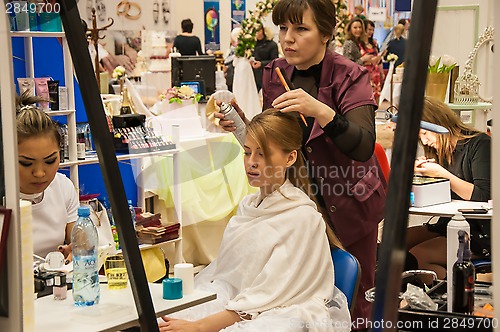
100, 218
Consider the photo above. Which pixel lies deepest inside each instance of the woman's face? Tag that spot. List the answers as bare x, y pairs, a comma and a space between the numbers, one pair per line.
369, 31
260, 34
38, 163
428, 138
266, 173
303, 44
356, 29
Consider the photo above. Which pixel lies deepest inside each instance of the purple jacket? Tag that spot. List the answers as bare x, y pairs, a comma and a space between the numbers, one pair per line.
353, 191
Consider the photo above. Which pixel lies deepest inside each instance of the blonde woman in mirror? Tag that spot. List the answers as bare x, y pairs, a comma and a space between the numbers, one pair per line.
54, 198
356, 39
463, 156
274, 271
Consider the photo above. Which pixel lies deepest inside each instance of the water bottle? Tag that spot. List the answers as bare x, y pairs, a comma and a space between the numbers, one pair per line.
230, 113
456, 224
132, 211
85, 242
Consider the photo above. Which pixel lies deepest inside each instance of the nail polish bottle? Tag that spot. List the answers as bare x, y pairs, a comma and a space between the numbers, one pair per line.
60, 289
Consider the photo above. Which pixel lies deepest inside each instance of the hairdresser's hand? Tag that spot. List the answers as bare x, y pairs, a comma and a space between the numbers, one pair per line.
171, 324
228, 125
67, 251
256, 64
300, 101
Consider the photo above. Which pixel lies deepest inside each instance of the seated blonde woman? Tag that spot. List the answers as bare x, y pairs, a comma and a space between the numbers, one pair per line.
274, 271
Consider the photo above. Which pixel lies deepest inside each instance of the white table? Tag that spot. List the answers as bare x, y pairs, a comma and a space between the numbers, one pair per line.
449, 209
115, 311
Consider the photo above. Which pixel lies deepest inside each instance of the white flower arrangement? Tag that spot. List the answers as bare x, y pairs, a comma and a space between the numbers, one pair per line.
442, 64
392, 57
118, 72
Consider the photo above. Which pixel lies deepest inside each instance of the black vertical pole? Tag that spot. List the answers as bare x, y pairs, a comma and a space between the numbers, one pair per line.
107, 160
393, 247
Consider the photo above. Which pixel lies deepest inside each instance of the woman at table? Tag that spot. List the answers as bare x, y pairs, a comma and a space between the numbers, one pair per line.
463, 156
274, 271
54, 198
336, 99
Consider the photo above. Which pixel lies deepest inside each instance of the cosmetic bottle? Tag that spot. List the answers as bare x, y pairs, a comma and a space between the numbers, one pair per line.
463, 277
60, 289
456, 224
230, 113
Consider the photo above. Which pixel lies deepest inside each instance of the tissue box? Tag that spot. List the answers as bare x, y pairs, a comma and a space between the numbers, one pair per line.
430, 191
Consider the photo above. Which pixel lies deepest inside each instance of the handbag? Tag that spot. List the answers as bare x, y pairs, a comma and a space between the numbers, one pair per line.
99, 217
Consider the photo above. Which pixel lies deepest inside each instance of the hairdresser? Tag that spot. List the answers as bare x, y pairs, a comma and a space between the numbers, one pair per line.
335, 97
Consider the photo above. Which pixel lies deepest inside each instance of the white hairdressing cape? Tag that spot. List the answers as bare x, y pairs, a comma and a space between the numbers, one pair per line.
274, 264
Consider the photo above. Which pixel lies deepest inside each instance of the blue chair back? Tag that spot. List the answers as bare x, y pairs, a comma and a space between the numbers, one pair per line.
347, 274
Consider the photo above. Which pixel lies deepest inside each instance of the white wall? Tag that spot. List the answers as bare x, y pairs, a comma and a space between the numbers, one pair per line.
180, 9
455, 34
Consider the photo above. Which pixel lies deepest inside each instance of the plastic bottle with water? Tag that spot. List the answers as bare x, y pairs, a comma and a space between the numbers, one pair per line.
230, 113
456, 224
85, 243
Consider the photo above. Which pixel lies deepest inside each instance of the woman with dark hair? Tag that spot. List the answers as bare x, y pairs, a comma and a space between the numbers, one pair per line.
54, 198
374, 66
186, 42
264, 52
274, 271
335, 97
464, 157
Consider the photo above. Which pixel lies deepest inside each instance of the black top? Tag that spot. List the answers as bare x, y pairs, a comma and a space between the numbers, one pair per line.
188, 45
353, 133
398, 47
265, 51
471, 163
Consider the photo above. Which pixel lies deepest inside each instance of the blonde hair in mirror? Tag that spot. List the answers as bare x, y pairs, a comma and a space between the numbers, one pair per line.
32, 121
437, 112
284, 130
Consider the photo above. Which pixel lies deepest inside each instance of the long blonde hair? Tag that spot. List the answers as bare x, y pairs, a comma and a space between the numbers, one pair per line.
284, 130
437, 112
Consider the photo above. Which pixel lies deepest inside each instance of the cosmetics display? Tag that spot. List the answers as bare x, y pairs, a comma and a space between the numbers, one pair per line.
132, 136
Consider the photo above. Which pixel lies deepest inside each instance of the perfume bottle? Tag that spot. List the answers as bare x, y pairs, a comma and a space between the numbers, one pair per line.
126, 107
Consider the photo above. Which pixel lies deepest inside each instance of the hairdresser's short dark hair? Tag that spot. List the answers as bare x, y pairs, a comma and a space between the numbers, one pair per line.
293, 10
187, 25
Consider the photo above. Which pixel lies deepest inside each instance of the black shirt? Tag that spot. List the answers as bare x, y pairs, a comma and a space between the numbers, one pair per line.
188, 45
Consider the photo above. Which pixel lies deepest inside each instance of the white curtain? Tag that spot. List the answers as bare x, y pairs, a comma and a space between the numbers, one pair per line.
244, 87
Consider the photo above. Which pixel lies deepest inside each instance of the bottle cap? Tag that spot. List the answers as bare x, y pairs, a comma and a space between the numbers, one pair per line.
60, 279
458, 216
84, 211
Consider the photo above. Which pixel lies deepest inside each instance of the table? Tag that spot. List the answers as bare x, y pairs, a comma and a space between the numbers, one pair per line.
115, 311
449, 209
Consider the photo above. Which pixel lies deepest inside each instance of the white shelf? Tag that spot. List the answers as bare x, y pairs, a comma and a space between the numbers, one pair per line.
60, 113
149, 246
37, 34
95, 160
478, 106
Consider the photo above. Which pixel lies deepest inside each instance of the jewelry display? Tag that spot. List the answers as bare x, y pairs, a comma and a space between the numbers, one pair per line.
156, 11
467, 85
124, 8
93, 35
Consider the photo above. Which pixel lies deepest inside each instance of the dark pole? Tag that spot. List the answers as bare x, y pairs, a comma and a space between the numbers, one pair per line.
393, 247
78, 47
